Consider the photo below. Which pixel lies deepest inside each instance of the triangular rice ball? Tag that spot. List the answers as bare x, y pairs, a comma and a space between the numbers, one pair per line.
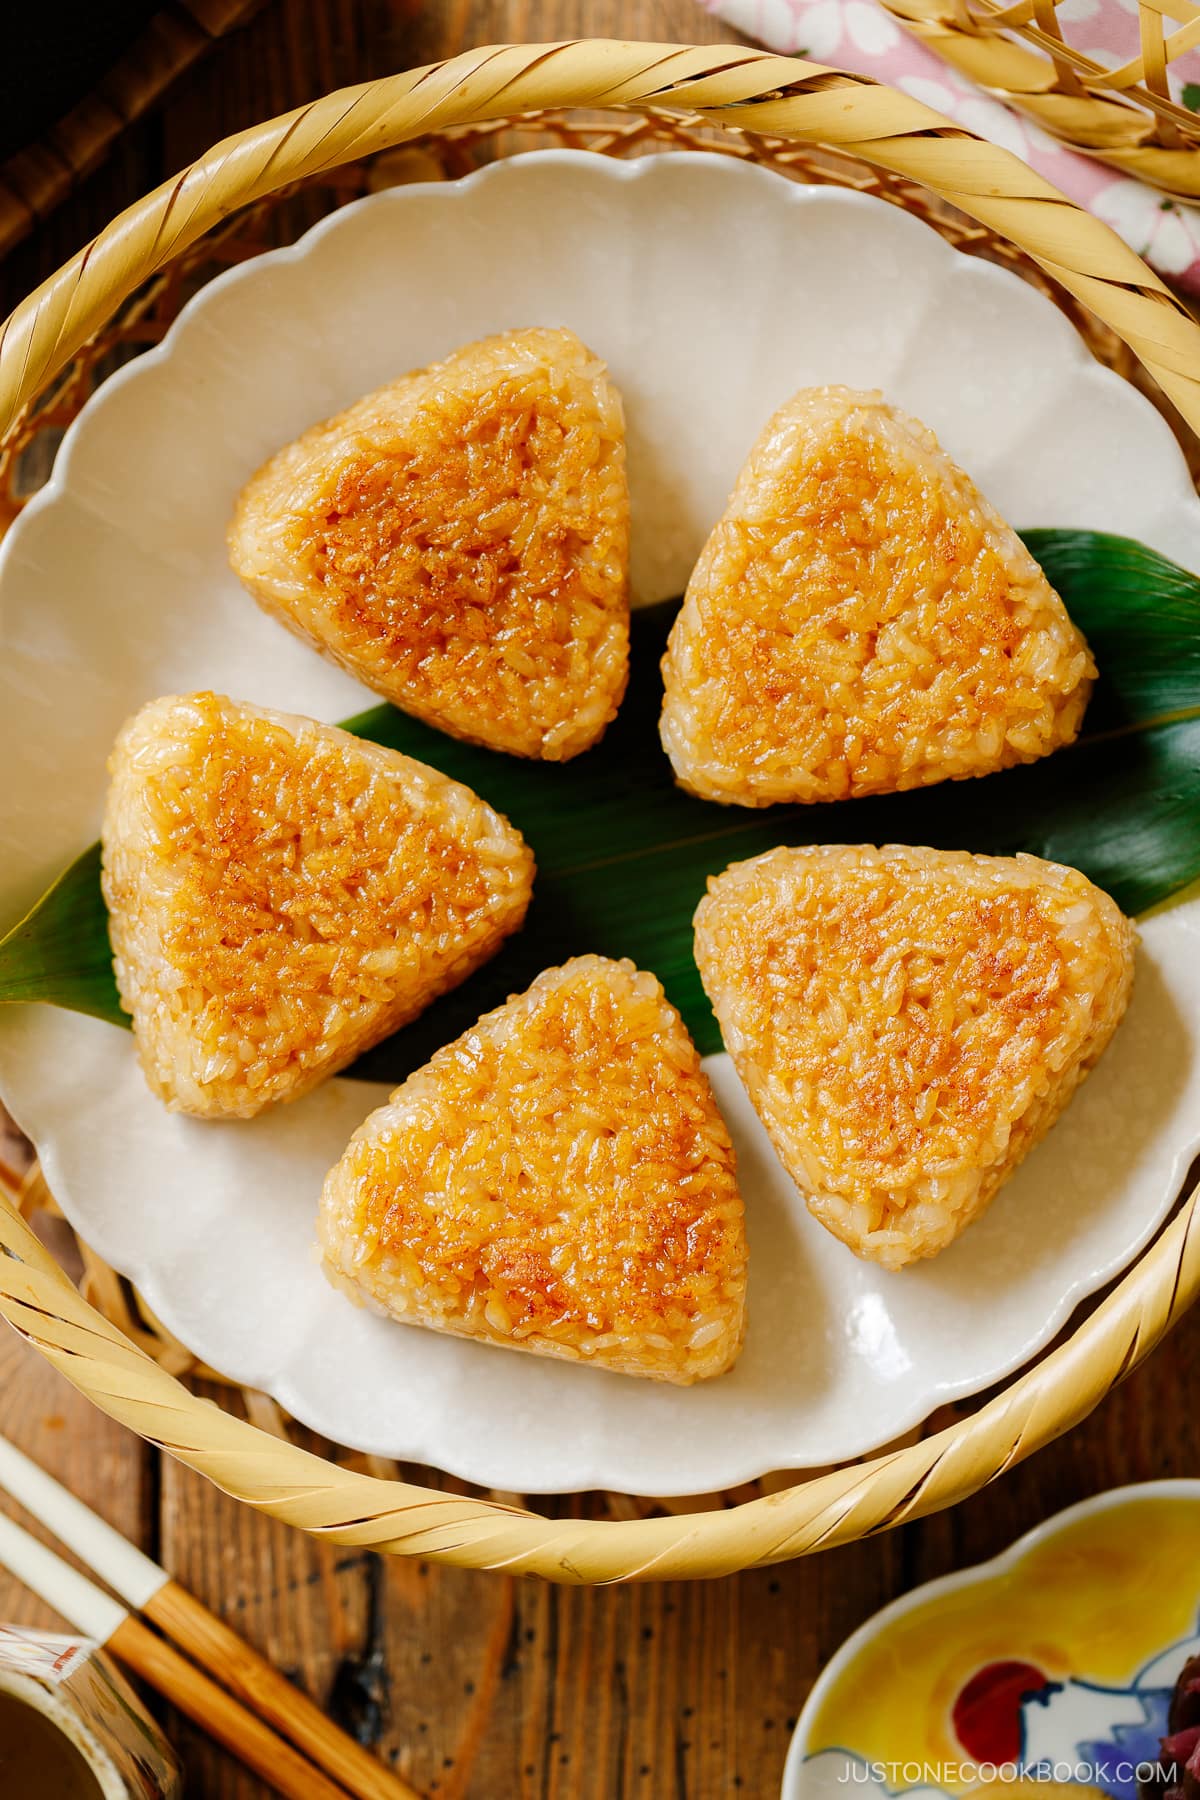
909, 1023
459, 541
559, 1180
861, 620
283, 895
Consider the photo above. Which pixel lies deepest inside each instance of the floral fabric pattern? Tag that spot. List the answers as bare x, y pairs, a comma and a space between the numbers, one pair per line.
860, 35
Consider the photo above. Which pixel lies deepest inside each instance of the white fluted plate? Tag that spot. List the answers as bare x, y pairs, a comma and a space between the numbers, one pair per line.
714, 290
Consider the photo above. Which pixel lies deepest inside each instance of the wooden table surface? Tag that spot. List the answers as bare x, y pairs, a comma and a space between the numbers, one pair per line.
475, 1685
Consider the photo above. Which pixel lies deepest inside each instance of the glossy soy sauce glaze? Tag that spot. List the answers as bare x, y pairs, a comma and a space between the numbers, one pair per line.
37, 1762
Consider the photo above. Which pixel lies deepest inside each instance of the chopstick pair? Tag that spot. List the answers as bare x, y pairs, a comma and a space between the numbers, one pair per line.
148, 1592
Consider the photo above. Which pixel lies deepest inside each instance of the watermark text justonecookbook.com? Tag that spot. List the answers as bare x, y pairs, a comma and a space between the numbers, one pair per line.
896, 1776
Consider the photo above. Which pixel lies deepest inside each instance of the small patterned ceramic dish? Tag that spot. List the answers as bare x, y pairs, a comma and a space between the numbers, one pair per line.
1049, 1668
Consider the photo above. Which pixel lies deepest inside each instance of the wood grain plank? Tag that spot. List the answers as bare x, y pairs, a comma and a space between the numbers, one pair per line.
301, 1605
43, 173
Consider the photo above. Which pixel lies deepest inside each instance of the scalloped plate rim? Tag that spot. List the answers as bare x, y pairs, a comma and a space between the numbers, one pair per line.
1067, 345
623, 169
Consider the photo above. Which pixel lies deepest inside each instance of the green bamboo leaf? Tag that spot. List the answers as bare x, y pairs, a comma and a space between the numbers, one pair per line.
60, 950
623, 855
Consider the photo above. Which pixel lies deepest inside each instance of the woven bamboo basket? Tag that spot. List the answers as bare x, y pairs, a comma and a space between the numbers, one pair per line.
808, 122
1020, 51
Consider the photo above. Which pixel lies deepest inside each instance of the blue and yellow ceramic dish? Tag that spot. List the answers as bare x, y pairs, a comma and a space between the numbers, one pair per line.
1049, 1668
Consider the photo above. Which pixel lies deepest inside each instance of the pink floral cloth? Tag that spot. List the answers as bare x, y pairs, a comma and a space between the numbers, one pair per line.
860, 35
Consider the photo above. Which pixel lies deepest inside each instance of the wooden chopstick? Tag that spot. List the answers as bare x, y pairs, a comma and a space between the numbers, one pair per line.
148, 1589
188, 1622
219, 1714
93, 1612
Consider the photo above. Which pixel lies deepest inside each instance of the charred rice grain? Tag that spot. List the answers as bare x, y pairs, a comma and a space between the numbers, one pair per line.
558, 1180
282, 895
909, 1023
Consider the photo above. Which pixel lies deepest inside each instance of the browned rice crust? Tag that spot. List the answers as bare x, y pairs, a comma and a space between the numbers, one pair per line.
459, 541
909, 1023
861, 620
558, 1180
282, 895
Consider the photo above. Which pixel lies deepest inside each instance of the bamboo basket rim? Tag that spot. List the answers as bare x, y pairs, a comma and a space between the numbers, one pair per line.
723, 86
1124, 116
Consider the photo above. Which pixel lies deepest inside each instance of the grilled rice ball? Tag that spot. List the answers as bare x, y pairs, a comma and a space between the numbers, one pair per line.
559, 1180
459, 541
282, 895
861, 621
909, 1023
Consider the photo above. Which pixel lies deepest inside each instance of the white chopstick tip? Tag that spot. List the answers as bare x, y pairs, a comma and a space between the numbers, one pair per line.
79, 1601
116, 1561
